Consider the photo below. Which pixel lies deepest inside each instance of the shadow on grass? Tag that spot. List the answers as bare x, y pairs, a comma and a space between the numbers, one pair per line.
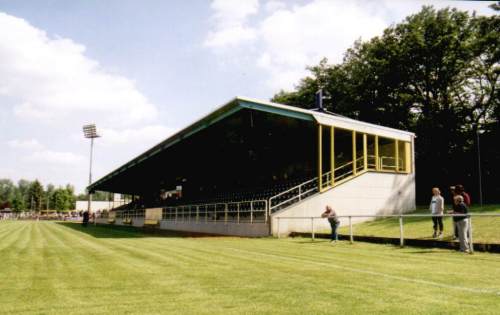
120, 231
426, 251
104, 231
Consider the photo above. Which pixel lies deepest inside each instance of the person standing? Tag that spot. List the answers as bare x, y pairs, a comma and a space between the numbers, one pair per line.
460, 190
85, 220
461, 222
437, 207
334, 221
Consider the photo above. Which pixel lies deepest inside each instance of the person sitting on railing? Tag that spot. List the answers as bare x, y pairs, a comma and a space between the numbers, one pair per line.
331, 215
437, 207
461, 221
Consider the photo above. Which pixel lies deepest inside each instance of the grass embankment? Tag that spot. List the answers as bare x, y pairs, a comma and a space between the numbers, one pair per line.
485, 229
51, 268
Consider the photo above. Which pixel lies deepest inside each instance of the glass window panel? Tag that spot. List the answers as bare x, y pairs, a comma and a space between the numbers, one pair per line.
359, 152
326, 155
387, 154
371, 152
343, 153
404, 156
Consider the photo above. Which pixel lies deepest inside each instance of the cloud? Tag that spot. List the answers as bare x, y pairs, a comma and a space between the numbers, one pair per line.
50, 78
49, 88
284, 38
303, 35
56, 158
31, 144
274, 5
145, 136
290, 38
230, 18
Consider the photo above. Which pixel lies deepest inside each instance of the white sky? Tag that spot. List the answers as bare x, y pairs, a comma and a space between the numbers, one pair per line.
143, 69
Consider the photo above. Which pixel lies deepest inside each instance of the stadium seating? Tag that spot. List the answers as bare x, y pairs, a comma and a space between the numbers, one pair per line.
229, 205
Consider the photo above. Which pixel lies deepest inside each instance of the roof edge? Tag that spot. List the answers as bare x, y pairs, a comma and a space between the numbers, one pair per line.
192, 128
225, 110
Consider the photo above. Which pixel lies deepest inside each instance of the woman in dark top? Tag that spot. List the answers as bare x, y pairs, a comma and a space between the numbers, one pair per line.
461, 221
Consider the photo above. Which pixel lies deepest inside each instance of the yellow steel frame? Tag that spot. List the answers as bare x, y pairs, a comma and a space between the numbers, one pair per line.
320, 157
354, 157
365, 151
407, 157
332, 155
396, 154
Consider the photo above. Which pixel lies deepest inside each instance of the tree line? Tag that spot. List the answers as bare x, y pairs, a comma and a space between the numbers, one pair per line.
435, 74
28, 195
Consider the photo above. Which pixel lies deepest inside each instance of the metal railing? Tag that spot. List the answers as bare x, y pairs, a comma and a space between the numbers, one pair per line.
399, 216
251, 211
309, 188
131, 214
388, 165
293, 195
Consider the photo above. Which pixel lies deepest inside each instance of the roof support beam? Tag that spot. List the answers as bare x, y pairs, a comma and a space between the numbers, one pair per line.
276, 110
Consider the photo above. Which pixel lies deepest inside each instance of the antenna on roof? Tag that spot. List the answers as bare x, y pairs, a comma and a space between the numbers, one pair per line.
319, 97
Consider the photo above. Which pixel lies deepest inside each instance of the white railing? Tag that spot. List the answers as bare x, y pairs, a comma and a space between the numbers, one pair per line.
308, 188
292, 195
388, 165
250, 211
130, 214
399, 216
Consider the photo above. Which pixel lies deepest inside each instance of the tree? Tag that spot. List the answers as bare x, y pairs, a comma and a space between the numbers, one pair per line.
96, 196
49, 196
7, 191
23, 187
18, 203
70, 191
36, 196
436, 73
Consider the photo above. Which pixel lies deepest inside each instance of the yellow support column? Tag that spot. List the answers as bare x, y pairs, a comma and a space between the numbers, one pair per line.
396, 154
332, 155
354, 152
320, 158
377, 164
408, 157
365, 152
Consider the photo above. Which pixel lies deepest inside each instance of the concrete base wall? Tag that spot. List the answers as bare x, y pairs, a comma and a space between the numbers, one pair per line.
102, 221
371, 193
138, 222
241, 229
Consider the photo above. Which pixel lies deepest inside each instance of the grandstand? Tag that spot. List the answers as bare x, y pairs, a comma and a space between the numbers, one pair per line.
248, 162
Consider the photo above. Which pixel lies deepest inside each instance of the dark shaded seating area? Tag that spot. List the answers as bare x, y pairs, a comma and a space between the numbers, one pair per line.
249, 155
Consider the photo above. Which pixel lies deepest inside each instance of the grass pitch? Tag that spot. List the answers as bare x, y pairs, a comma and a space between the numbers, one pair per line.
51, 268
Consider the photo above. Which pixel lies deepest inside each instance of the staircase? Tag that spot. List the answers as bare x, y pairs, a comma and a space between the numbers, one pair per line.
343, 173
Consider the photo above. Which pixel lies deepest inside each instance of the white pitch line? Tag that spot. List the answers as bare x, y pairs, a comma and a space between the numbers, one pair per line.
376, 273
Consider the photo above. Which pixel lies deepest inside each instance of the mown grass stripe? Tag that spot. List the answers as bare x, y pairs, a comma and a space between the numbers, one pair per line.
56, 268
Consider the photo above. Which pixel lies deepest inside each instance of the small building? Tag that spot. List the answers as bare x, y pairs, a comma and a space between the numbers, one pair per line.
239, 168
96, 205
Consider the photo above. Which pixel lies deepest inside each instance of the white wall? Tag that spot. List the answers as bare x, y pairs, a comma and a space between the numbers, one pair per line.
220, 228
96, 205
369, 193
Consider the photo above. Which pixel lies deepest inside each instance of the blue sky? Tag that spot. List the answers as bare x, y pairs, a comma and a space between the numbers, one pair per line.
143, 69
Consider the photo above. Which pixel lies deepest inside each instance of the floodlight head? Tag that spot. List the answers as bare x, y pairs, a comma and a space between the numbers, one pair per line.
90, 131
